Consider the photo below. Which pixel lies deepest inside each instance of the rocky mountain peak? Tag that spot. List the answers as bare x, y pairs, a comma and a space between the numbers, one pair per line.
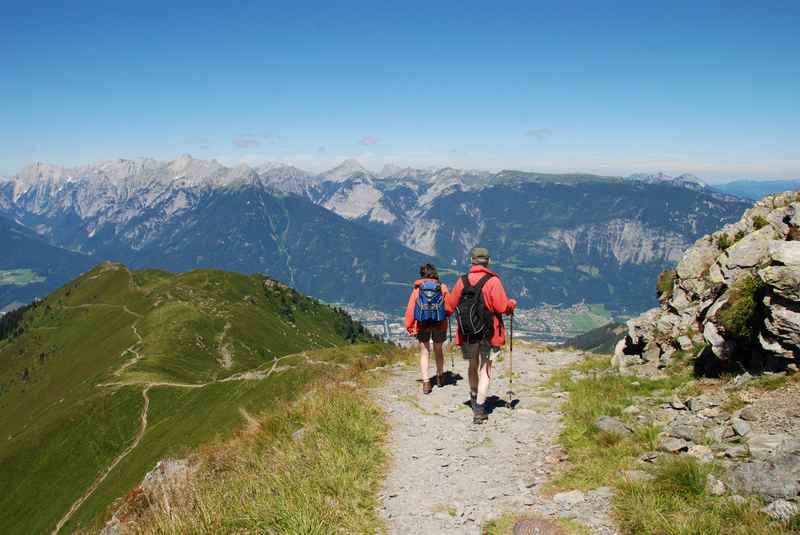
390, 170
345, 170
733, 301
40, 171
188, 167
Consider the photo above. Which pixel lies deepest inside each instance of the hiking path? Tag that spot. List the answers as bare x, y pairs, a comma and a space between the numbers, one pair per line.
447, 475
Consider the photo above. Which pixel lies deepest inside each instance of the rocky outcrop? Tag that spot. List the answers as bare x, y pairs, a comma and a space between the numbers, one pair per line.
163, 485
733, 298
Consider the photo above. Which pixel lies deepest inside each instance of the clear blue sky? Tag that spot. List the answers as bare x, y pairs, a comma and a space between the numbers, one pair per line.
711, 88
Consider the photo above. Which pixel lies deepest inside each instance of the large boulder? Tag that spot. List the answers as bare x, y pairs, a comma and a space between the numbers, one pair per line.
752, 250
785, 252
784, 280
782, 323
641, 327
697, 259
768, 480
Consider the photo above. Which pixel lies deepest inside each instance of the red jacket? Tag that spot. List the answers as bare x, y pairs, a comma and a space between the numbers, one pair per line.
494, 296
411, 323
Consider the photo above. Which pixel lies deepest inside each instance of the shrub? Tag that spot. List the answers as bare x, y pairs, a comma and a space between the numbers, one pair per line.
739, 235
759, 222
740, 316
666, 282
723, 242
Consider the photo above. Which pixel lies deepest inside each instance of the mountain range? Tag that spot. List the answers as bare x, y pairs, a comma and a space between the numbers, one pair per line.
352, 235
757, 189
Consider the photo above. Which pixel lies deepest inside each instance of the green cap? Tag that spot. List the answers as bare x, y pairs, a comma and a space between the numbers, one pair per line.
479, 253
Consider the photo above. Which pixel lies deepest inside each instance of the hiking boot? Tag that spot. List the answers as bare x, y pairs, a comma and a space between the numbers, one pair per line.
479, 414
440, 380
426, 387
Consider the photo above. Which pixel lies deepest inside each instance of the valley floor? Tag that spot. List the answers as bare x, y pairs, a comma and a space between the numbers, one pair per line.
447, 475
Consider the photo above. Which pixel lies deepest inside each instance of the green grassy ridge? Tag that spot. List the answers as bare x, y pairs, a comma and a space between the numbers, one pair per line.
269, 481
61, 430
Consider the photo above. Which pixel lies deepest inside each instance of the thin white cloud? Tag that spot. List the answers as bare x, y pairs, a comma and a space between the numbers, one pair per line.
368, 140
252, 141
539, 134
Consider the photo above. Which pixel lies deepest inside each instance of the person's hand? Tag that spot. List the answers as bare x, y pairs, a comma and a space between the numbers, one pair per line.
512, 305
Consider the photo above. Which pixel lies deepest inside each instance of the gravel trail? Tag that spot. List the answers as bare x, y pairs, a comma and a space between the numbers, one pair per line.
450, 476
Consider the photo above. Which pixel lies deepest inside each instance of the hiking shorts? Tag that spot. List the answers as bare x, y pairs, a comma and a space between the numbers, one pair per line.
482, 348
426, 334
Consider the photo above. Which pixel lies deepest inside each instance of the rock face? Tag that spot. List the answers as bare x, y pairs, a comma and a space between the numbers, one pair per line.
734, 297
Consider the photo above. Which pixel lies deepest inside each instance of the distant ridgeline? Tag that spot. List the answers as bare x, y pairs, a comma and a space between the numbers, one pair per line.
352, 236
119, 369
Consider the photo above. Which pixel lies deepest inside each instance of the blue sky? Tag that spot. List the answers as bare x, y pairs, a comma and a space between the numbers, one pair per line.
711, 88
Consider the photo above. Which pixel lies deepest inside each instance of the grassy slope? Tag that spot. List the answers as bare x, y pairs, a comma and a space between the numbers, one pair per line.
675, 502
268, 481
62, 430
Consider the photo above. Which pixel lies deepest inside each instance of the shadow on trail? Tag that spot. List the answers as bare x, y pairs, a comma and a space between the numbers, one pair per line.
494, 402
449, 378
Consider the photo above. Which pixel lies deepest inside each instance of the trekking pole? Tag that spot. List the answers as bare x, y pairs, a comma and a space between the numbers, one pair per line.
510, 392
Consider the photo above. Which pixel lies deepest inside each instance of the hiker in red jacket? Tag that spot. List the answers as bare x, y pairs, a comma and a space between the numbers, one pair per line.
426, 319
479, 300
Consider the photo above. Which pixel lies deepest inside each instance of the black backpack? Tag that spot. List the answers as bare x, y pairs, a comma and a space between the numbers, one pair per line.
475, 321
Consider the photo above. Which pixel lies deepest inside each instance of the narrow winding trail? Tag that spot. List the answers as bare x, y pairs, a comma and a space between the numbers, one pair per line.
104, 474
256, 374
450, 476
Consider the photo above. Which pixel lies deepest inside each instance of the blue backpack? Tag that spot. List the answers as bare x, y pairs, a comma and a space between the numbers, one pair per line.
429, 308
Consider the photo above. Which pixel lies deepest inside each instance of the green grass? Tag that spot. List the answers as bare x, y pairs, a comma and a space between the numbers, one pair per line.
759, 222
598, 457
19, 277
675, 502
504, 525
740, 315
60, 430
666, 282
267, 482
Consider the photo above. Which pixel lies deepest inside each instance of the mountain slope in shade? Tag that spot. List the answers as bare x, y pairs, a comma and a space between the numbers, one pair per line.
30, 267
757, 189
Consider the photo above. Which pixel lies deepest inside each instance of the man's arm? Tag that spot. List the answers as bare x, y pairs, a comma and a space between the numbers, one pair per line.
499, 302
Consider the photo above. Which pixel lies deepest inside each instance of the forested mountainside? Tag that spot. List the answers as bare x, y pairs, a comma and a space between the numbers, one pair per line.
30, 267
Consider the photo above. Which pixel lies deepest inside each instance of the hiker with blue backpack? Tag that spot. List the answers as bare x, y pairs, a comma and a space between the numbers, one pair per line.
426, 319
479, 301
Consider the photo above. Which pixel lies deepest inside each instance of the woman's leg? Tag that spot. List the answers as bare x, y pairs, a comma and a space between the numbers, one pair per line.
424, 353
438, 350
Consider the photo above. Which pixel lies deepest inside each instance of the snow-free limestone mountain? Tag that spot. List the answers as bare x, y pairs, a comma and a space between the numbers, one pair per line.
558, 239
